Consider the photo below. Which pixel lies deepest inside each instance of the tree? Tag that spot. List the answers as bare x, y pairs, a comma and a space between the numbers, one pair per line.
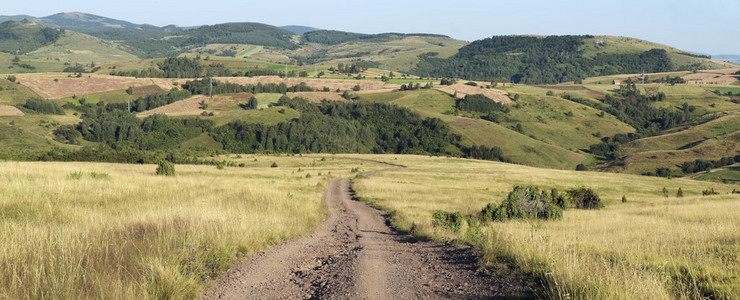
253, 103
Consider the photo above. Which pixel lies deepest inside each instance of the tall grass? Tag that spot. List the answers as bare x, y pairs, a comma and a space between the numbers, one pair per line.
651, 247
66, 233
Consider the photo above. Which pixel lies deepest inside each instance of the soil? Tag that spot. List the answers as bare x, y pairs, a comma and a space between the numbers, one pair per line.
10, 111
187, 107
357, 255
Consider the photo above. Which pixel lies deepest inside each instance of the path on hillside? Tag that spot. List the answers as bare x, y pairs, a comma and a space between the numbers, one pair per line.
356, 255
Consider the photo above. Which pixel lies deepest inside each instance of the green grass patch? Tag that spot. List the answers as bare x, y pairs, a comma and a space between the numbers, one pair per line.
731, 174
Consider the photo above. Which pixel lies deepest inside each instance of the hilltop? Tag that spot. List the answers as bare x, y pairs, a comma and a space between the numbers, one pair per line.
557, 59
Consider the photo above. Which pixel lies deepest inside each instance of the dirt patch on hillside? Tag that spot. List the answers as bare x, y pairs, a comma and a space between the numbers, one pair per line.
463, 89
187, 107
10, 111
147, 90
575, 88
56, 87
719, 77
318, 96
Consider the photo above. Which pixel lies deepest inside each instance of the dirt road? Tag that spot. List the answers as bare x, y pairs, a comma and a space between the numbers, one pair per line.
356, 255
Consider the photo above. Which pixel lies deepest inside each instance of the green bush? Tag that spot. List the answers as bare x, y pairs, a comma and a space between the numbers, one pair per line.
448, 220
274, 165
583, 197
581, 167
524, 203
166, 168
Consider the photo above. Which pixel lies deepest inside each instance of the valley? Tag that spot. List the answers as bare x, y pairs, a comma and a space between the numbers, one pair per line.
310, 163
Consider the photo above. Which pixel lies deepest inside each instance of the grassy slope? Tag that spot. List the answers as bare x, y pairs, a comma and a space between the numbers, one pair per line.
617, 44
517, 147
13, 93
32, 132
400, 55
651, 247
75, 47
544, 117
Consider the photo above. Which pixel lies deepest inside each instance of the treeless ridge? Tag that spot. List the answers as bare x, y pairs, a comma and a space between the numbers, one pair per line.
187, 107
356, 255
7, 111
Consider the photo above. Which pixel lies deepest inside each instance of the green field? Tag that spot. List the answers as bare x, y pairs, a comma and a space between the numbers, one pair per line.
518, 147
80, 48
731, 175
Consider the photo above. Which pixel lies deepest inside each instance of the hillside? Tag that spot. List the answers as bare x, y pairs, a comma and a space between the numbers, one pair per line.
556, 59
228, 33
98, 26
25, 36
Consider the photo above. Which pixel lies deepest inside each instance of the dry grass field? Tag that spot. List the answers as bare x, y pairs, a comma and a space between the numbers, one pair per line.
56, 86
7, 111
462, 90
651, 247
187, 107
116, 231
715, 77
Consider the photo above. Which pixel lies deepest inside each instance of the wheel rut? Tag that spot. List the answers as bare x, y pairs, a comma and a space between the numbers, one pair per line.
355, 254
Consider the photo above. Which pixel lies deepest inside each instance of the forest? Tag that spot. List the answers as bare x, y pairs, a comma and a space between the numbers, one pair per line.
338, 127
204, 86
536, 60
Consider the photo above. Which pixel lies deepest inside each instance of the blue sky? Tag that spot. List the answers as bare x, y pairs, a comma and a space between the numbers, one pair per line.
708, 26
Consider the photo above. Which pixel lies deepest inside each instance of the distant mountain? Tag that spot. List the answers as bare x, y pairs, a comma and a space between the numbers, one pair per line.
15, 18
733, 58
102, 27
297, 29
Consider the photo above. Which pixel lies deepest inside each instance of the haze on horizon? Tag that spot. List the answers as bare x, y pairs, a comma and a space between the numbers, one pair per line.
707, 27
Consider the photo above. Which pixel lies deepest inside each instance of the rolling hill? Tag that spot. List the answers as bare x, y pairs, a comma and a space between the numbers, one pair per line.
556, 59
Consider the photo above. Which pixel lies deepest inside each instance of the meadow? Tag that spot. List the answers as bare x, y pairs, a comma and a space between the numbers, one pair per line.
651, 247
99, 230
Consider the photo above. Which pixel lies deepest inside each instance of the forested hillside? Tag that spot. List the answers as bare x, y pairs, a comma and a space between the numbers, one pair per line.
26, 36
334, 37
229, 33
534, 60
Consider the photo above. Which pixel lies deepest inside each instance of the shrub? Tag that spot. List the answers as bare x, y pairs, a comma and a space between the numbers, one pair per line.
550, 93
524, 203
448, 220
274, 165
166, 168
583, 197
709, 192
679, 193
581, 167
43, 106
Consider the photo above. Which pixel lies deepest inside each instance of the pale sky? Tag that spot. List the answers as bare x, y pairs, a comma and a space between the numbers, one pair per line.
705, 26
